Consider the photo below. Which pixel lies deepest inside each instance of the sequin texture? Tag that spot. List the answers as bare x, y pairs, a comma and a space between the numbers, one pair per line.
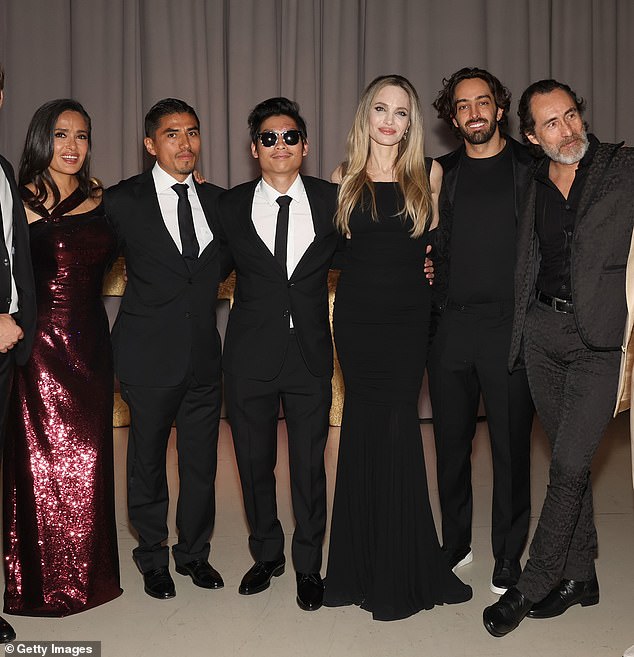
59, 524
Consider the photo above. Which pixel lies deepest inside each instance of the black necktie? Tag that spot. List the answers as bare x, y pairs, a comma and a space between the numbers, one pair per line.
5, 289
281, 230
189, 243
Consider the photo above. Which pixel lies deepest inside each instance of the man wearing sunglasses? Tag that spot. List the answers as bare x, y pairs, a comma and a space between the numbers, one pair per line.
279, 231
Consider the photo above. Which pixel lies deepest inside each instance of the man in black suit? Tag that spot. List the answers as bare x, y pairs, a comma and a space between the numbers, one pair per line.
279, 231
574, 237
167, 348
17, 298
481, 196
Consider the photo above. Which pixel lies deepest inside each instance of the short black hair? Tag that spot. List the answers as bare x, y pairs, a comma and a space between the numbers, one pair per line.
445, 103
165, 107
275, 107
527, 122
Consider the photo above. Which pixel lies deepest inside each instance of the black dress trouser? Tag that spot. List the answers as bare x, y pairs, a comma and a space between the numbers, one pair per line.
195, 409
253, 409
469, 357
574, 389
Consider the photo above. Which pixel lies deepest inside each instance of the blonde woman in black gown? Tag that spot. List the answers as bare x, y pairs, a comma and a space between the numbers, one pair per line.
384, 552
60, 542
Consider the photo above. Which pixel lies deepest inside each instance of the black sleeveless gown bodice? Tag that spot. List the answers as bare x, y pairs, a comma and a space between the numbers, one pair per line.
384, 552
60, 540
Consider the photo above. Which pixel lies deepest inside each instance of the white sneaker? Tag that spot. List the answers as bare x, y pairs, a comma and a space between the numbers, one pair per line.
467, 559
629, 652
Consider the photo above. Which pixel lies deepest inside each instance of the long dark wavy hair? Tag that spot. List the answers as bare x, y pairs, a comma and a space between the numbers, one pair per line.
38, 152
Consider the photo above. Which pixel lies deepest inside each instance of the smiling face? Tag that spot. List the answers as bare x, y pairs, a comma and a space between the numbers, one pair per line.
70, 144
559, 128
281, 160
476, 115
389, 115
175, 144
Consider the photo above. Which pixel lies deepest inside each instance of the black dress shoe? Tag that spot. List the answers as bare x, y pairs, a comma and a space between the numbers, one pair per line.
567, 593
310, 591
7, 633
258, 577
506, 573
457, 557
159, 583
203, 574
507, 613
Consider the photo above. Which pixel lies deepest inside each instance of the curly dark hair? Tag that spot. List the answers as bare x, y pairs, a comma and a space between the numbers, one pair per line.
527, 122
275, 107
445, 103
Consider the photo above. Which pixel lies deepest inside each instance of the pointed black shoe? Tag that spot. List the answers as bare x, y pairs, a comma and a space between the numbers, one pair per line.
203, 574
567, 593
310, 591
507, 613
258, 577
159, 583
7, 633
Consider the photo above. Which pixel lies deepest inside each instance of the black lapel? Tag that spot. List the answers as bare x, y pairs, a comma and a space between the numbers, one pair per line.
148, 214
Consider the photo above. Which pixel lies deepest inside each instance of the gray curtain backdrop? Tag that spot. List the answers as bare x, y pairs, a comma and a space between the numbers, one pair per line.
118, 57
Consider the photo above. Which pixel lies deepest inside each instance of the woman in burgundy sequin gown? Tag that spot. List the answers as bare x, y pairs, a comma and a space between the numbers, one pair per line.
60, 540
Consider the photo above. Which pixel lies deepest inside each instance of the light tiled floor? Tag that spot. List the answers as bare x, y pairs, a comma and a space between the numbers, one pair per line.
225, 624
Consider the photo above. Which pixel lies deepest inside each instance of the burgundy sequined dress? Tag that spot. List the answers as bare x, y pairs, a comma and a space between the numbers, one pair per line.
60, 541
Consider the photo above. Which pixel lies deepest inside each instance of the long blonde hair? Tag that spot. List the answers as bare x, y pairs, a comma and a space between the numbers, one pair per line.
409, 167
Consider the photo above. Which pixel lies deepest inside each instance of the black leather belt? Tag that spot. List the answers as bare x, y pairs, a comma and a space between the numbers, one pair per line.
560, 305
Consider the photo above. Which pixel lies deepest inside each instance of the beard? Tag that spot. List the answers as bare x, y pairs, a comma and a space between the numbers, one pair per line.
574, 154
478, 136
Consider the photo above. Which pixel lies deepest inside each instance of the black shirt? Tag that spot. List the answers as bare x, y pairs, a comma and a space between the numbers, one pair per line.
555, 218
483, 234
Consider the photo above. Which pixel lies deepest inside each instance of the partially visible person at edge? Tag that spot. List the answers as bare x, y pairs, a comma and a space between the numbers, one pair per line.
17, 298
60, 537
481, 197
384, 553
570, 309
626, 378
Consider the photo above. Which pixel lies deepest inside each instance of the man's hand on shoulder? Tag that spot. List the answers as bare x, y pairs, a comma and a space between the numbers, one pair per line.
429, 266
10, 333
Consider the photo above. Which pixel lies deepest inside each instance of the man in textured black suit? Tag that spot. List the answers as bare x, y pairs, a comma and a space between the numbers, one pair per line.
279, 231
570, 310
167, 348
17, 297
480, 201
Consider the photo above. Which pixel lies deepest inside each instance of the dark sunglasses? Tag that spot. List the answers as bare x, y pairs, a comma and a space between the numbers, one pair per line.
269, 137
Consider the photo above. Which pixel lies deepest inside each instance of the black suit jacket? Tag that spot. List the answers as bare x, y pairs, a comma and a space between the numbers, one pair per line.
167, 319
22, 271
257, 333
522, 167
600, 246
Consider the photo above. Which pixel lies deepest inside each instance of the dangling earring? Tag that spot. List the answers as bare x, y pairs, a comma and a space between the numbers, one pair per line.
405, 134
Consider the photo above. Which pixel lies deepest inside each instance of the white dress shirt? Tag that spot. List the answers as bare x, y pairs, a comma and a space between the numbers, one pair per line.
301, 231
168, 202
6, 202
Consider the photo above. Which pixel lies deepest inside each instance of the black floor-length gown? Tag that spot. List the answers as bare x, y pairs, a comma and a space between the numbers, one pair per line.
60, 540
384, 552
